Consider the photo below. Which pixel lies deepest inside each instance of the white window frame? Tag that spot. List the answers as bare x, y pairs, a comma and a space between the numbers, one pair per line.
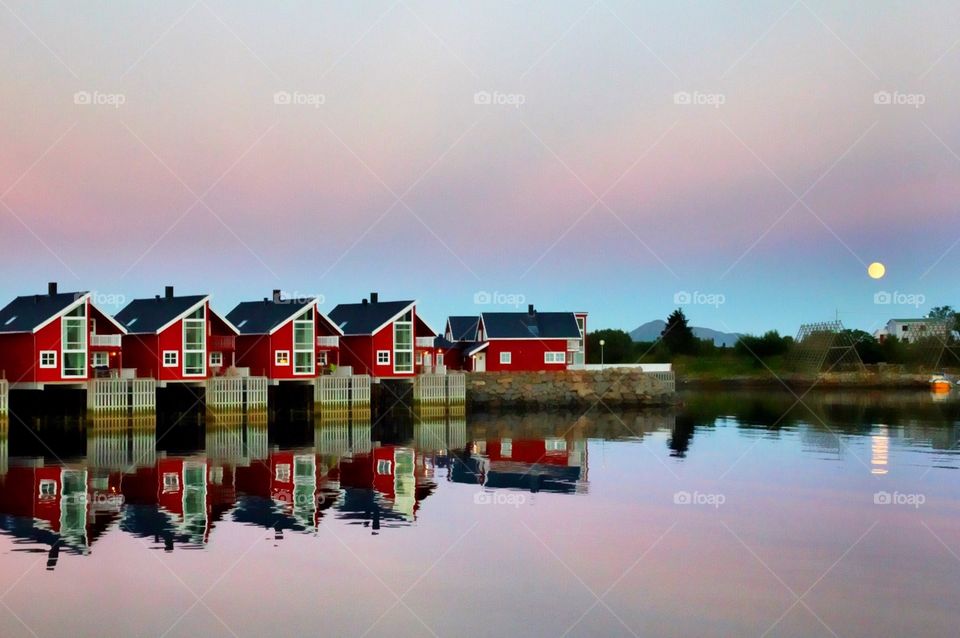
305, 320
439, 359
44, 483
383, 357
404, 322
104, 356
283, 473
322, 358
506, 358
76, 317
384, 467
284, 354
201, 322
420, 357
506, 448
175, 363
171, 482
554, 357
47, 353
216, 359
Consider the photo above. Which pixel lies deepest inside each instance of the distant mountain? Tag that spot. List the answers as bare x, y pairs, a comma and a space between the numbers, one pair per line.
651, 330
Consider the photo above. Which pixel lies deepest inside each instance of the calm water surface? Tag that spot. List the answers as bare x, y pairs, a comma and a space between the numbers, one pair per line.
736, 515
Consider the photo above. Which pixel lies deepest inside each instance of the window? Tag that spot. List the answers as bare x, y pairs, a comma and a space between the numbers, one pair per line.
281, 357
171, 358
384, 467
282, 472
303, 342
419, 358
195, 342
403, 343
171, 482
506, 358
216, 359
439, 358
48, 489
216, 475
48, 359
322, 358
383, 357
100, 360
554, 357
74, 333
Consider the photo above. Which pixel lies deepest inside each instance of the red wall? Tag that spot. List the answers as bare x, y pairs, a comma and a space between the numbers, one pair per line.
526, 354
361, 353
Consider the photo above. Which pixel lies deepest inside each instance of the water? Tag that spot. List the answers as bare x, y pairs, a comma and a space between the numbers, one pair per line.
736, 515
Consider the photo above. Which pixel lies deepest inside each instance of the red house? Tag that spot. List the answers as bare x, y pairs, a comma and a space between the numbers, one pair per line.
516, 341
174, 338
285, 339
381, 338
57, 338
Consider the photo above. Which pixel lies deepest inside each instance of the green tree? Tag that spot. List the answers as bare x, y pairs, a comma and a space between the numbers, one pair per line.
617, 347
947, 313
677, 335
770, 344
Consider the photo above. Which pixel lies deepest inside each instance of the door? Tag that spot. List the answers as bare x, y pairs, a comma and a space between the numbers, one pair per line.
427, 362
480, 362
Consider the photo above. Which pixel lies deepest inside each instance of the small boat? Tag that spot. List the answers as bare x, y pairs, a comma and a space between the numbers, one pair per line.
940, 383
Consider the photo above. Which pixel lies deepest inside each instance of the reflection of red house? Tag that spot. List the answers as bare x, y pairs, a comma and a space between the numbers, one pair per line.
176, 338
57, 338
285, 339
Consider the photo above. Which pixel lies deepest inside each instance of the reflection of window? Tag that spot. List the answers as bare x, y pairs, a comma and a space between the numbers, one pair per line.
216, 359
384, 467
48, 489
383, 357
216, 475
282, 357
506, 357
171, 358
171, 482
556, 445
282, 472
506, 448
48, 359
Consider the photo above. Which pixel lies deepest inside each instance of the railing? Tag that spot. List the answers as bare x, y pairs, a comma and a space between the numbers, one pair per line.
328, 342
424, 342
440, 389
221, 343
342, 391
4, 395
105, 341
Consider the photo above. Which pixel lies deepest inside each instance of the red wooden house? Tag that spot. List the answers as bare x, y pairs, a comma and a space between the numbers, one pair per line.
57, 338
285, 339
516, 341
382, 338
174, 338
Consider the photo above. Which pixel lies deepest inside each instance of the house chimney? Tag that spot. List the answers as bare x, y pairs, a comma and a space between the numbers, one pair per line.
363, 302
52, 288
276, 295
374, 297
531, 310
168, 292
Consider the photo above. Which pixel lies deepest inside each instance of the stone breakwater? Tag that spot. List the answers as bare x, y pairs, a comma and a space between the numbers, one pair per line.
570, 388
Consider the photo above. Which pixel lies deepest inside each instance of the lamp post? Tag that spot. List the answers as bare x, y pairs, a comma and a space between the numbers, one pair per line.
602, 343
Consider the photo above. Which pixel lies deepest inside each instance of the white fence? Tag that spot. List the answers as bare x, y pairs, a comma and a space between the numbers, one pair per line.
115, 394
4, 396
237, 392
342, 391
646, 367
441, 389
668, 378
105, 340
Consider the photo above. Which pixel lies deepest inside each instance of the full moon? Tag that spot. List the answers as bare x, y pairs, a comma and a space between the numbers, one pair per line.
876, 270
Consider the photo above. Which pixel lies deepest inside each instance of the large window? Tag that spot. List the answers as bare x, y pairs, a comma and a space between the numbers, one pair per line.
303, 343
554, 357
74, 327
403, 343
195, 343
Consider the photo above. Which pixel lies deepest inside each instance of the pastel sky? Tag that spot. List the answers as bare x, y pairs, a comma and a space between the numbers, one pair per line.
587, 183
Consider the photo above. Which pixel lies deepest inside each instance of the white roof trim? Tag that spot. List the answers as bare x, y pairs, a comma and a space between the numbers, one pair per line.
81, 299
180, 316
308, 301
329, 321
394, 318
435, 333
224, 319
116, 324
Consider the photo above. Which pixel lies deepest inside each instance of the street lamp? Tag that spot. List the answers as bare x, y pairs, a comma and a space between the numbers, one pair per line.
602, 343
